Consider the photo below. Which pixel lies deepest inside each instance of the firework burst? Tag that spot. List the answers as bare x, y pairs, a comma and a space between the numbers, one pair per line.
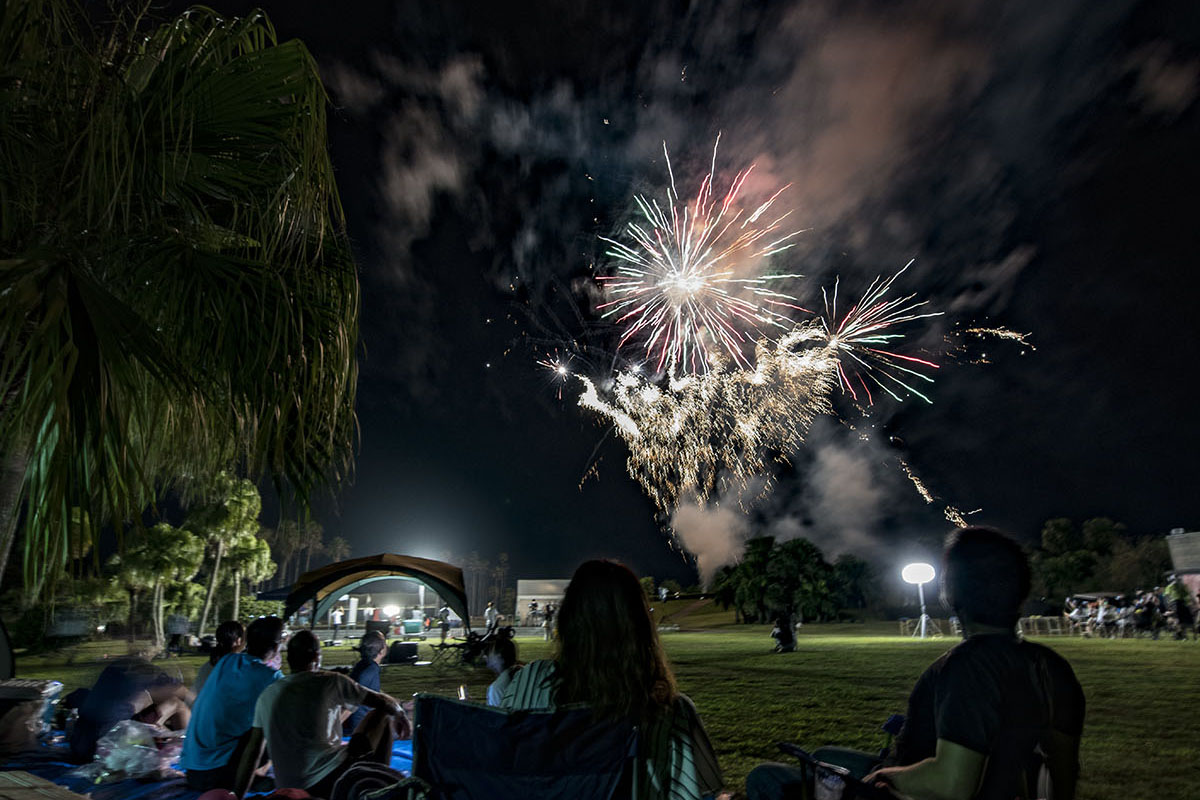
732, 382
864, 338
676, 290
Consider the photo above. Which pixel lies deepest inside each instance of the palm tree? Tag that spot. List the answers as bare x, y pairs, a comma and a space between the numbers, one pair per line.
338, 549
249, 560
313, 540
167, 556
230, 513
178, 293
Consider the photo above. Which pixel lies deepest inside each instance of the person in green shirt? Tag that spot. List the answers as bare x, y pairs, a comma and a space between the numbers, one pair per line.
608, 657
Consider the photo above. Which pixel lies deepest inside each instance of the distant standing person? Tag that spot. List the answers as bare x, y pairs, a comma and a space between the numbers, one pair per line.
491, 618
336, 618
548, 624
443, 616
1178, 595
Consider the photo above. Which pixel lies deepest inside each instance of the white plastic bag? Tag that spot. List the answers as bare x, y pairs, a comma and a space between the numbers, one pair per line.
131, 750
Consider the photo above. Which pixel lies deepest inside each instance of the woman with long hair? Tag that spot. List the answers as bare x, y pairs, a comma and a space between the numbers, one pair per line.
231, 638
609, 657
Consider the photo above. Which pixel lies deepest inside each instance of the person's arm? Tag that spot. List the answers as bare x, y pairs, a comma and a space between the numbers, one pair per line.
953, 773
248, 763
1062, 760
384, 702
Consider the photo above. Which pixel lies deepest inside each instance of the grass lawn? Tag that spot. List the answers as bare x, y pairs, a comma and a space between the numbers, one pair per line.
1141, 739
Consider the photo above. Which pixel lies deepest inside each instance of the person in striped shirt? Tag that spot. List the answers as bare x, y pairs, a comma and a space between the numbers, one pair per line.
609, 657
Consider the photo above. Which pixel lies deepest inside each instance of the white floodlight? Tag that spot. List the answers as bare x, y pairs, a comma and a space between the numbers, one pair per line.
390, 611
920, 573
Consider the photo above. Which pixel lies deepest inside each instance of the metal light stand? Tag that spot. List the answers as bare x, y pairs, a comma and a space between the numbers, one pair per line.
926, 621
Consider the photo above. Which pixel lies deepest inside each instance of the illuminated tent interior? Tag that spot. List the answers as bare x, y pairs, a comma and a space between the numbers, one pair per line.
324, 586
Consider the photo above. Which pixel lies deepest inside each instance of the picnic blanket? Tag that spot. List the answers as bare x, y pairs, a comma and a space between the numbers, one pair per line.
50, 763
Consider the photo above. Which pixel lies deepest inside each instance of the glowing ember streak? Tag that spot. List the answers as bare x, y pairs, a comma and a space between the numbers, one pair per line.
675, 288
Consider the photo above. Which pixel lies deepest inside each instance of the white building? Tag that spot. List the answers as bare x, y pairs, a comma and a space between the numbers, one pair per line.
541, 590
1185, 556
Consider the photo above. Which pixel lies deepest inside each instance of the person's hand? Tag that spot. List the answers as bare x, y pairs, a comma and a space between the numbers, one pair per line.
882, 779
402, 726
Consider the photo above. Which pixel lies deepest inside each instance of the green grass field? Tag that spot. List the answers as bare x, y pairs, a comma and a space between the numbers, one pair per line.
1141, 738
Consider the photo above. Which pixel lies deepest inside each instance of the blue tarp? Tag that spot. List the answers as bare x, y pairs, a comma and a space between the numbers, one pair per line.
50, 764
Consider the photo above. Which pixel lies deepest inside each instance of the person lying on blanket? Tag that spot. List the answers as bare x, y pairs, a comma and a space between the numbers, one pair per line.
300, 720
129, 688
224, 709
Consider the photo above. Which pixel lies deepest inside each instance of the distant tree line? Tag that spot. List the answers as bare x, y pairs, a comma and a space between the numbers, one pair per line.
1099, 555
793, 577
204, 570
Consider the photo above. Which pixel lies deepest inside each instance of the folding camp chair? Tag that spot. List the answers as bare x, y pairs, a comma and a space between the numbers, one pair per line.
467, 751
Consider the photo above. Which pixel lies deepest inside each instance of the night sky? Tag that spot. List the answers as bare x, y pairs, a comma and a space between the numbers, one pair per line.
1038, 160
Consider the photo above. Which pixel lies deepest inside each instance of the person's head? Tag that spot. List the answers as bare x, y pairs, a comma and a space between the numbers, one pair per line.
263, 637
231, 638
304, 652
489, 604
500, 653
985, 577
609, 655
372, 646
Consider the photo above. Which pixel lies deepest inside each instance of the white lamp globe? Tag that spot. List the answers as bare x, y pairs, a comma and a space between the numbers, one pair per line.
917, 573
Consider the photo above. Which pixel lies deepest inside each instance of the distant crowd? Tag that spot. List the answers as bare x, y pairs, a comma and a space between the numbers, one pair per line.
1146, 613
988, 719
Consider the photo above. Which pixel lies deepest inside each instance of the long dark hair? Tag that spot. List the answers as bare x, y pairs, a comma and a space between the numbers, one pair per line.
228, 633
609, 655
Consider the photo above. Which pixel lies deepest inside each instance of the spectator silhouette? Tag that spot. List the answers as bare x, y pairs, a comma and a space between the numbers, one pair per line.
608, 656
980, 713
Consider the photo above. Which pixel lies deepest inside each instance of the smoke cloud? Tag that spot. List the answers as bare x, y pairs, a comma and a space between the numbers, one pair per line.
713, 534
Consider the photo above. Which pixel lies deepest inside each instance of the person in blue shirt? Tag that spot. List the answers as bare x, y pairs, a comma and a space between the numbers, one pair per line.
224, 710
371, 651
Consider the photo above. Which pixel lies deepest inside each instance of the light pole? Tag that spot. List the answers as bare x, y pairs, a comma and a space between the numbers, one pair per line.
920, 573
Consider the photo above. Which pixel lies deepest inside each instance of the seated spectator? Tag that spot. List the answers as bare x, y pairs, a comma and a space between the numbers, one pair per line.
979, 713
300, 720
230, 639
224, 711
500, 655
609, 657
129, 688
784, 634
372, 649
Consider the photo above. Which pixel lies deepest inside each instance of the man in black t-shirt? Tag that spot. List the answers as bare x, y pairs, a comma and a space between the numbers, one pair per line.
980, 715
